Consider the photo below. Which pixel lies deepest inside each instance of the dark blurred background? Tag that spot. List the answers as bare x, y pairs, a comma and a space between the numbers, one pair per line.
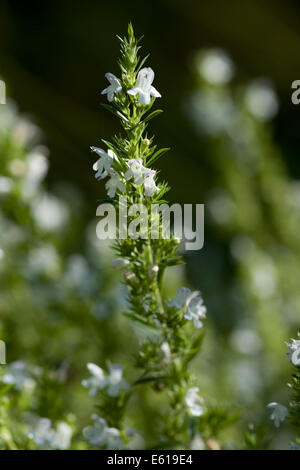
53, 56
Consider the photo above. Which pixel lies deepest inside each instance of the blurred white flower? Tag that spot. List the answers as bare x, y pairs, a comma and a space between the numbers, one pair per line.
24, 131
136, 440
62, 437
97, 381
104, 163
215, 66
115, 380
213, 112
166, 352
48, 438
18, 374
101, 435
114, 183
245, 341
195, 309
180, 298
50, 213
43, 260
37, 167
114, 88
194, 402
264, 277
5, 185
295, 446
245, 376
261, 100
294, 352
79, 274
17, 167
197, 443
119, 263
279, 413
144, 86
221, 206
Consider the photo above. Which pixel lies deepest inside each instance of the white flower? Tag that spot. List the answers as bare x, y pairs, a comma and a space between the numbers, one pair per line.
195, 309
103, 436
294, 352
119, 263
180, 298
279, 413
18, 374
103, 165
136, 170
141, 175
48, 438
115, 380
97, 381
193, 401
114, 183
114, 88
149, 183
144, 86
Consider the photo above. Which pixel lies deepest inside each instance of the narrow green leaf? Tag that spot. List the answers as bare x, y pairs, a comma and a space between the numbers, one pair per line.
114, 111
153, 114
111, 146
174, 261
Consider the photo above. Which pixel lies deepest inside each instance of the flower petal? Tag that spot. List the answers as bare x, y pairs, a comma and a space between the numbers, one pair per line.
154, 92
133, 91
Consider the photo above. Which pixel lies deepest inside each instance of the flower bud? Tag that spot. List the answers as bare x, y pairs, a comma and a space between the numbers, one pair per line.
119, 263
128, 275
153, 270
212, 444
146, 142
